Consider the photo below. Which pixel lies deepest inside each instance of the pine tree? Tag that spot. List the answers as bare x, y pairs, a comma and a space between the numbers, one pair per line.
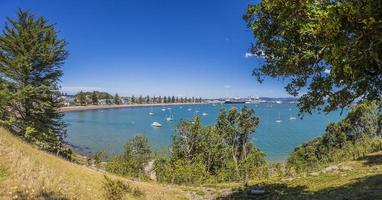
94, 98
31, 56
117, 100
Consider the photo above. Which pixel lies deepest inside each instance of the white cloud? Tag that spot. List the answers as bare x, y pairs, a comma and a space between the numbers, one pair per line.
75, 89
248, 54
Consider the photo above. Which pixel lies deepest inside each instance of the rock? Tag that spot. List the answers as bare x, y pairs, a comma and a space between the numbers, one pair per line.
330, 169
314, 173
287, 179
346, 168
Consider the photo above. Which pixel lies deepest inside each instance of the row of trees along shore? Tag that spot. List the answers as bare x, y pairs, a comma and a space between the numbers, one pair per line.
87, 98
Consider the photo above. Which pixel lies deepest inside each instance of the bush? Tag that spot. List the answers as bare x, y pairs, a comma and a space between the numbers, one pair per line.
133, 160
116, 189
351, 138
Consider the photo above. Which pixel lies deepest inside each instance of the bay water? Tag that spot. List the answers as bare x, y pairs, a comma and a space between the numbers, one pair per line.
109, 129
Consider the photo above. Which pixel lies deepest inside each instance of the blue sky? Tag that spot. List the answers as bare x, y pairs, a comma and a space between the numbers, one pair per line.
154, 47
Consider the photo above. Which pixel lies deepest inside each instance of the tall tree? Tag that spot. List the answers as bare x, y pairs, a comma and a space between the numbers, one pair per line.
117, 100
330, 49
81, 98
31, 56
94, 98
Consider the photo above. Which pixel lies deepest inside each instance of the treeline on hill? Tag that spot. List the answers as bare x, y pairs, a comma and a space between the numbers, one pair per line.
96, 97
353, 137
31, 56
199, 154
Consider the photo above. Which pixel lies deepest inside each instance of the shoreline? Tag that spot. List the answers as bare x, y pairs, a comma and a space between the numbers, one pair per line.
100, 107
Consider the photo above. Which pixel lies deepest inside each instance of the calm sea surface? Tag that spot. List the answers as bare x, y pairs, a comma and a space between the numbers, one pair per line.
109, 129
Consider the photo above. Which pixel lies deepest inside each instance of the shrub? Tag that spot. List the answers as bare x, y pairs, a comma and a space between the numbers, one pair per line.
133, 160
117, 189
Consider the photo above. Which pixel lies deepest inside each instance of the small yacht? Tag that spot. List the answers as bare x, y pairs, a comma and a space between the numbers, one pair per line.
292, 118
279, 102
156, 124
204, 114
163, 109
189, 109
279, 120
151, 113
171, 117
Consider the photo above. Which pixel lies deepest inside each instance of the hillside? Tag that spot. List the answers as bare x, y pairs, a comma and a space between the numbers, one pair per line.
28, 173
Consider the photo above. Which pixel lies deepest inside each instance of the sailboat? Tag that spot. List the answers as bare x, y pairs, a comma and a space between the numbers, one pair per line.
171, 117
151, 113
292, 118
156, 124
279, 120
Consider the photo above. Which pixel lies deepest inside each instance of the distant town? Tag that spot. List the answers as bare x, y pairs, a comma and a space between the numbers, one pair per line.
104, 98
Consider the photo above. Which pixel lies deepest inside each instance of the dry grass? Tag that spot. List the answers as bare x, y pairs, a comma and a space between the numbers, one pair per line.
28, 173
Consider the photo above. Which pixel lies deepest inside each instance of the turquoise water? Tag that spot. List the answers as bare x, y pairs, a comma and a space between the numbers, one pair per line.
109, 129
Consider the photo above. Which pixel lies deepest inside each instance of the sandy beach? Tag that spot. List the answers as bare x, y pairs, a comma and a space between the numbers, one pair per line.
96, 107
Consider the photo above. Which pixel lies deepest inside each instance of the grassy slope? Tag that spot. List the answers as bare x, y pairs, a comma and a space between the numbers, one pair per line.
28, 173
31, 173
360, 179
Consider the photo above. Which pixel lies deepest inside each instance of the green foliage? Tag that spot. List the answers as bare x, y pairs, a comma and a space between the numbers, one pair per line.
351, 138
31, 56
213, 153
94, 98
117, 100
117, 189
99, 156
331, 48
84, 98
3, 172
133, 160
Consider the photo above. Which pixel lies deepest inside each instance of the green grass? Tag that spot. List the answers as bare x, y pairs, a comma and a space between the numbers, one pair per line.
363, 181
3, 172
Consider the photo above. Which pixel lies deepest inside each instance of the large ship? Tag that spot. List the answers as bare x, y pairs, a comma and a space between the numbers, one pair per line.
234, 101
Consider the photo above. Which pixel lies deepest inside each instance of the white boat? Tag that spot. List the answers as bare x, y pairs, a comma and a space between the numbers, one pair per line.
156, 124
189, 109
151, 113
163, 109
292, 118
171, 117
204, 114
279, 102
279, 120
